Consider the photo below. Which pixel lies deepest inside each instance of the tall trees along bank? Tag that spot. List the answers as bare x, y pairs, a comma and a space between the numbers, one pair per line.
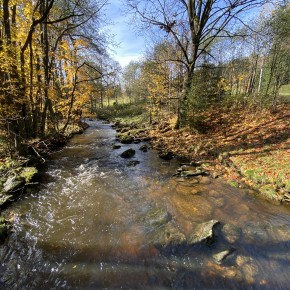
52, 58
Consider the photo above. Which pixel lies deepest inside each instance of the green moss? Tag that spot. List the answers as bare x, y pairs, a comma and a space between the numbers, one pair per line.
233, 183
30, 174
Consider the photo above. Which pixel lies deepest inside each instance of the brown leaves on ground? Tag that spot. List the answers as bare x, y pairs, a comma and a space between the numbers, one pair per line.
257, 141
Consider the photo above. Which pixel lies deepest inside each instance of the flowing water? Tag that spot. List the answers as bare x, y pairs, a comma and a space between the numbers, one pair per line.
87, 227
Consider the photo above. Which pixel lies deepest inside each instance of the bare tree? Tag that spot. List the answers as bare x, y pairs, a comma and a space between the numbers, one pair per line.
193, 25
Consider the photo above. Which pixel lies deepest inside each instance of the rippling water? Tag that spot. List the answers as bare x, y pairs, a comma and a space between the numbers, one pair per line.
84, 228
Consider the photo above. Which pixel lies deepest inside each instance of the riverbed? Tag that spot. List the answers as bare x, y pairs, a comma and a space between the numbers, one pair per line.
90, 226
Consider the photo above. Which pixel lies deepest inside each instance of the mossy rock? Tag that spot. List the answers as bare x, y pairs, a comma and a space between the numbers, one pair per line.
30, 174
4, 198
125, 138
4, 229
13, 183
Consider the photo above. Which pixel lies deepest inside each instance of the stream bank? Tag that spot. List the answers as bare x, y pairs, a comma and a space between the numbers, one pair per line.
21, 173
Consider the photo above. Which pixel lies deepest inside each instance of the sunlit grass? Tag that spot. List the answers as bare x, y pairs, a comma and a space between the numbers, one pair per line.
285, 93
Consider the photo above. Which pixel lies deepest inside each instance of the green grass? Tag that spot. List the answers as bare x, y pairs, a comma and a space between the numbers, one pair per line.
285, 92
130, 113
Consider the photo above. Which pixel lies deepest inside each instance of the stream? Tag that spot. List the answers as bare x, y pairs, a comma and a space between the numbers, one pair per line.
96, 222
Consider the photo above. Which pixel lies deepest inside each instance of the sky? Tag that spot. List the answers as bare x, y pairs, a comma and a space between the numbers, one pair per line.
131, 46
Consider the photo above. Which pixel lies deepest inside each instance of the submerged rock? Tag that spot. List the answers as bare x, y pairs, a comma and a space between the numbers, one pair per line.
231, 233
204, 232
157, 217
168, 235
133, 163
128, 153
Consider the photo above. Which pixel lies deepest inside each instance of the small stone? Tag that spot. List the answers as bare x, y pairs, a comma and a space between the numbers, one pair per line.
137, 141
157, 217
126, 139
221, 256
115, 146
133, 163
205, 180
128, 153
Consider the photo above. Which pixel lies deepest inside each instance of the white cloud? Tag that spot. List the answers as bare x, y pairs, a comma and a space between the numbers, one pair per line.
130, 45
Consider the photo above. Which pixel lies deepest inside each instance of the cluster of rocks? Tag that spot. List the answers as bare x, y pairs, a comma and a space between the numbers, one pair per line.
191, 170
13, 182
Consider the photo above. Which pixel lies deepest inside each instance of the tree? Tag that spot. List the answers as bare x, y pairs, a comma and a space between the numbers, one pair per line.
193, 25
50, 52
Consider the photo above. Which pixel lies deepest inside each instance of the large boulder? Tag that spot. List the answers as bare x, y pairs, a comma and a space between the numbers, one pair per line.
203, 233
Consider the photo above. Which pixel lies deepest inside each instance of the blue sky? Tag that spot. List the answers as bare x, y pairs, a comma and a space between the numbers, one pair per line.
131, 46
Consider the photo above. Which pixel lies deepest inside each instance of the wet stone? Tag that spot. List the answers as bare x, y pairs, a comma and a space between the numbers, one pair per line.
205, 180
192, 173
204, 232
128, 153
116, 146
221, 256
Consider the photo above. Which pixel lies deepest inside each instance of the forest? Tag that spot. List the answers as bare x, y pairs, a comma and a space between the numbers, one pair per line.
208, 63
